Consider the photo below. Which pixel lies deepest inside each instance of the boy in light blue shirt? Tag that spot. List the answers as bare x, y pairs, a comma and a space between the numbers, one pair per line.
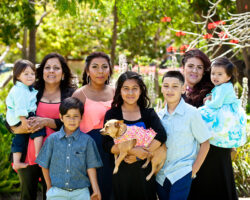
69, 158
187, 141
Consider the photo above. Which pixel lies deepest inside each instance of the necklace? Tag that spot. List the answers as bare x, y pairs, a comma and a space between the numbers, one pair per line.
51, 97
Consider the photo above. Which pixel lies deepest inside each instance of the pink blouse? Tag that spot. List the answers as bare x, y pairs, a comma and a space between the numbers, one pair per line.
94, 113
48, 110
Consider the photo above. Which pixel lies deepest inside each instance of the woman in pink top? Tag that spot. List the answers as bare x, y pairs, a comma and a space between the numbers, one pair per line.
54, 83
97, 97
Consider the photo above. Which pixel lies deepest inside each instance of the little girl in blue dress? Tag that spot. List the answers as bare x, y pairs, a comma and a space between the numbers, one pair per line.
223, 114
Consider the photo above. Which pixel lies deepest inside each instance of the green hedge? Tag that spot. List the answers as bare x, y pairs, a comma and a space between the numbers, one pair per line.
9, 180
241, 165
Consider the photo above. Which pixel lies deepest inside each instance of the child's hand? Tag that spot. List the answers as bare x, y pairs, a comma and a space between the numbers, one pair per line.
96, 196
153, 146
37, 123
25, 124
139, 152
194, 171
130, 159
207, 98
48, 188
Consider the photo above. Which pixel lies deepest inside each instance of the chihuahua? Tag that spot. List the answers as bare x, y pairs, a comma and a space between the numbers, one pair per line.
127, 137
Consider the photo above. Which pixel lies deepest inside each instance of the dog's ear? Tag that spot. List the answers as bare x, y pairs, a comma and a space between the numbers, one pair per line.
117, 124
121, 121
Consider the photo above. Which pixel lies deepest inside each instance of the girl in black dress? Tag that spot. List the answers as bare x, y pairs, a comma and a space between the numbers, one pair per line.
131, 105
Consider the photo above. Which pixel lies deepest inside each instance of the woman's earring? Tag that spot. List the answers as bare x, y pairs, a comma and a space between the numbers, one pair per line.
62, 78
107, 81
88, 79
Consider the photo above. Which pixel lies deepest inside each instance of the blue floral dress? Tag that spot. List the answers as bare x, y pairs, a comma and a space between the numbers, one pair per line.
225, 117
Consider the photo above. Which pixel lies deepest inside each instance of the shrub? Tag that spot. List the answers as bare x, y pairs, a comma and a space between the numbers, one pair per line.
9, 179
241, 165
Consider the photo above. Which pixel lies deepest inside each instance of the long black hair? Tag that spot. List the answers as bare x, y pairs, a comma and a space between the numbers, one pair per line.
143, 100
87, 64
67, 80
205, 85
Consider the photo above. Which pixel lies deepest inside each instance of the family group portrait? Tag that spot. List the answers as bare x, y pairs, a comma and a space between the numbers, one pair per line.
124, 100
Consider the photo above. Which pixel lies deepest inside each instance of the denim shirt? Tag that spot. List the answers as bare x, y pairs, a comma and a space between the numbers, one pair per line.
68, 158
185, 131
20, 102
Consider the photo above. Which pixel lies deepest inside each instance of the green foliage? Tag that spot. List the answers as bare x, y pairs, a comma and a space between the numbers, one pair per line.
248, 108
9, 28
9, 179
241, 165
77, 36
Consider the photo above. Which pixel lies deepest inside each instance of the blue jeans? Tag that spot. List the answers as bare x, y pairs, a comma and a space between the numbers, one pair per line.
178, 191
56, 193
20, 141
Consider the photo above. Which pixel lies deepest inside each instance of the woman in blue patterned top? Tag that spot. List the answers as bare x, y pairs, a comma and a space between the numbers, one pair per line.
223, 113
226, 121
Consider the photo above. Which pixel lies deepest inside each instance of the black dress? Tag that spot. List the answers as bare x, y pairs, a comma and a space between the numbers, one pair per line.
130, 181
215, 179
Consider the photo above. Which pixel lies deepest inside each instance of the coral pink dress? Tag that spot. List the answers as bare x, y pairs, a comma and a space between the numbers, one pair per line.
92, 122
94, 112
48, 110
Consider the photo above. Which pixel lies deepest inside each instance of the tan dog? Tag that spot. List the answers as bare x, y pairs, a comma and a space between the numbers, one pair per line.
115, 129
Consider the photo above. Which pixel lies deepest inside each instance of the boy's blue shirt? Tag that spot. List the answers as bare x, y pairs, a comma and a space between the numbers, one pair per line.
20, 101
185, 131
68, 158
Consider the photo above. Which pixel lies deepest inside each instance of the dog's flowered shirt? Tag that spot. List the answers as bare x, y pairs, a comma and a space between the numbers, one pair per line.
143, 136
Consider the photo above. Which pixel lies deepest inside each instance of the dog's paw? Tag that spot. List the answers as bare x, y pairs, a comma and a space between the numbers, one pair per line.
148, 177
144, 166
115, 171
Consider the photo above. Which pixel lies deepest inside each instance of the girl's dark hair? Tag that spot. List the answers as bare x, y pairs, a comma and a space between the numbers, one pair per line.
227, 65
143, 100
71, 103
201, 89
65, 83
87, 64
20, 66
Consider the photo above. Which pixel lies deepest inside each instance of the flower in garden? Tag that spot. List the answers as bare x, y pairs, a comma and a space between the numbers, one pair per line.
166, 19
207, 36
234, 41
171, 49
246, 7
213, 25
183, 47
180, 33
222, 35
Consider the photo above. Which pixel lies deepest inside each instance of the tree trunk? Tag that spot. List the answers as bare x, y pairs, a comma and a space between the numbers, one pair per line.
114, 35
24, 49
4, 54
156, 81
32, 45
244, 6
32, 33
